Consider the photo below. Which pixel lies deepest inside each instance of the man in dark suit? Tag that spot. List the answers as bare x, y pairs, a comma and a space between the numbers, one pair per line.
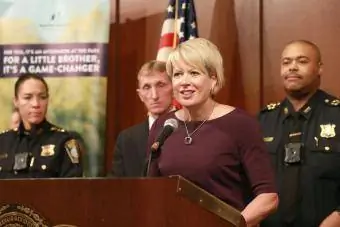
155, 91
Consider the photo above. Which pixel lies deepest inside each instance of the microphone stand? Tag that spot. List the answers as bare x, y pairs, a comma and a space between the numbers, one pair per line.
153, 150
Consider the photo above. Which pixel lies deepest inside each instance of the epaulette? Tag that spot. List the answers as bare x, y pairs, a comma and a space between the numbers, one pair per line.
57, 129
272, 106
334, 102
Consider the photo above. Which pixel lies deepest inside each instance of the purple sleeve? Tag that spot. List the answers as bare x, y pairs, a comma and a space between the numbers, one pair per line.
255, 157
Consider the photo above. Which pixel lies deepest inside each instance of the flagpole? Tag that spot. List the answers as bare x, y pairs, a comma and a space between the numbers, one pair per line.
174, 40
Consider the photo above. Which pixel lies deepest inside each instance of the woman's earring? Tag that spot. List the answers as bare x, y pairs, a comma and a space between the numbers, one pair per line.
212, 91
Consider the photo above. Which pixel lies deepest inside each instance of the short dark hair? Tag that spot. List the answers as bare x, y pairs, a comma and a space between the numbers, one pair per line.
309, 43
22, 79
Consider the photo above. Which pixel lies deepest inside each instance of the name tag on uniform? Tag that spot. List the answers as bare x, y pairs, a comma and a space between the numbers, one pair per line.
47, 150
268, 139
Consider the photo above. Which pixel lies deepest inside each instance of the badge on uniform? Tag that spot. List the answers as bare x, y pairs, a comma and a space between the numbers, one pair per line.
327, 131
72, 150
47, 150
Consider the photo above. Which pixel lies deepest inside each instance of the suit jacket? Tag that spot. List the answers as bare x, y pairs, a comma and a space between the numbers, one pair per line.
130, 151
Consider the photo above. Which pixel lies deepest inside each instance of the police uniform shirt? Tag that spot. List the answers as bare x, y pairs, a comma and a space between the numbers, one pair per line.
44, 151
314, 181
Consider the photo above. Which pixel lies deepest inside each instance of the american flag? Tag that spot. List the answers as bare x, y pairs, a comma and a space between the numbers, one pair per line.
179, 25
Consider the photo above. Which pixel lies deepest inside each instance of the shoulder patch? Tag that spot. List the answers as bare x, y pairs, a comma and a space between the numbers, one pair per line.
57, 129
73, 150
334, 102
272, 106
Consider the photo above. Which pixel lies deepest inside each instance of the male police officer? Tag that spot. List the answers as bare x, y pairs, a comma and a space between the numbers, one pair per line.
303, 136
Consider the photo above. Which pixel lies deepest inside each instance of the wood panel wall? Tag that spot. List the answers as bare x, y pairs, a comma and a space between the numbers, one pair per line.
250, 35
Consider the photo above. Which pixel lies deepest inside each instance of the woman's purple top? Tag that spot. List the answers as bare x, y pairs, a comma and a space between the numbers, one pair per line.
227, 157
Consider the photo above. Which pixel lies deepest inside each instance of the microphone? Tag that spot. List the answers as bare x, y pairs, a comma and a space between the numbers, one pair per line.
170, 125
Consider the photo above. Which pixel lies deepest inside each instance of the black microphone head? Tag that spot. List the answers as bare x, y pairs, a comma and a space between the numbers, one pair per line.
173, 123
170, 125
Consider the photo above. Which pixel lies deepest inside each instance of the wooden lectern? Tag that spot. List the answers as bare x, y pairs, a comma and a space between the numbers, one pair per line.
114, 202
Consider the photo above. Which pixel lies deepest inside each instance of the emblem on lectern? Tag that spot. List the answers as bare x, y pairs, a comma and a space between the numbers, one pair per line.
19, 215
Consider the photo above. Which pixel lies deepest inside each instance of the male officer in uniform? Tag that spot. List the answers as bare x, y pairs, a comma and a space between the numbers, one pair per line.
303, 137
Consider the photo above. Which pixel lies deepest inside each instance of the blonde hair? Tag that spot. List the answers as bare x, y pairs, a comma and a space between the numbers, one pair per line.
201, 54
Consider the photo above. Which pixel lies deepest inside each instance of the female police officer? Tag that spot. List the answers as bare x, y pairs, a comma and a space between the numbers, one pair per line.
37, 149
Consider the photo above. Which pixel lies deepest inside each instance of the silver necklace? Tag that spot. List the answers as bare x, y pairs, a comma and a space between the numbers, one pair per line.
188, 138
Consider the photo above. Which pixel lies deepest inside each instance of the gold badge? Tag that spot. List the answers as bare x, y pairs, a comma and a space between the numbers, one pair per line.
72, 150
47, 150
327, 131
268, 139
